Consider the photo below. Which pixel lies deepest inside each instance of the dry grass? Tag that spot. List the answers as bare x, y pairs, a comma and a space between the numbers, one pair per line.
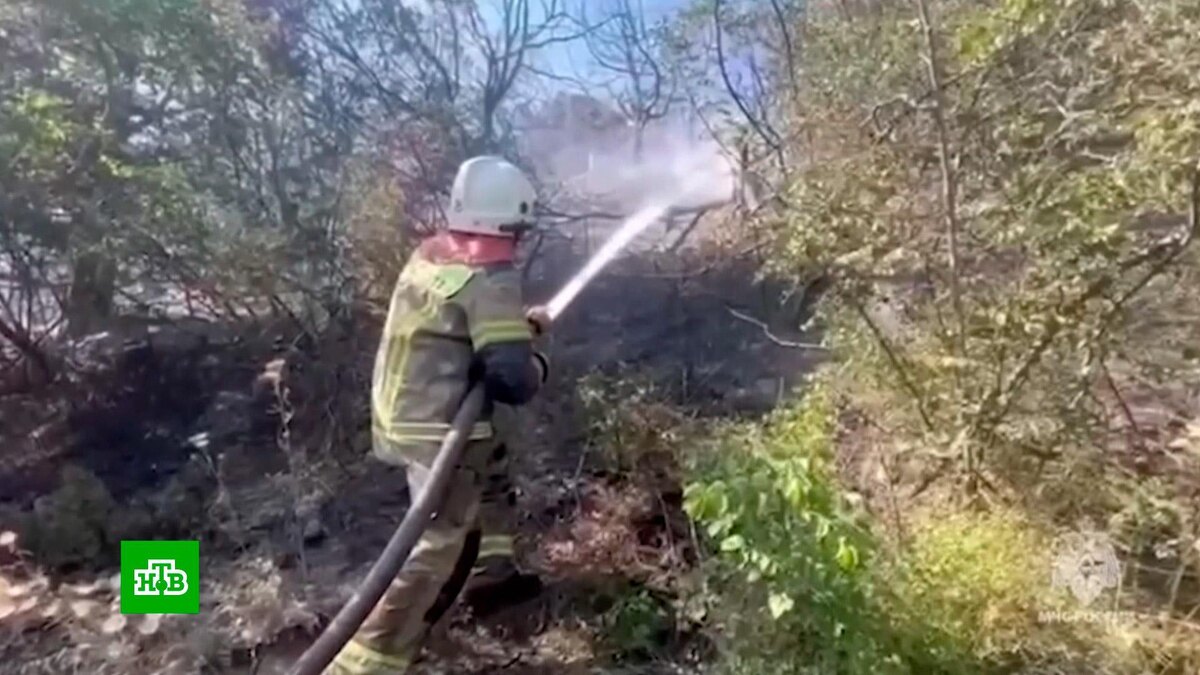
612, 535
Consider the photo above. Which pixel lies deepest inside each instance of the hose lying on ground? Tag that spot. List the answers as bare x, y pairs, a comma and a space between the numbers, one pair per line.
342, 628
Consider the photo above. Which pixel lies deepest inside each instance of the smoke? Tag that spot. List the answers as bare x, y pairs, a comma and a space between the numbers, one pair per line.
690, 174
687, 176
592, 162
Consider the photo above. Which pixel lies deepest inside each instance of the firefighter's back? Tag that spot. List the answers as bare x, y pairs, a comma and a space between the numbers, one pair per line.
422, 366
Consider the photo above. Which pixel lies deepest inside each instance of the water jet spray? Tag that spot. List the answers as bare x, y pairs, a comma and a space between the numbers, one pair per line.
628, 231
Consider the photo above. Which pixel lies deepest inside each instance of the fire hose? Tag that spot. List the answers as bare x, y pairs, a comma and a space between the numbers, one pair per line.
355, 611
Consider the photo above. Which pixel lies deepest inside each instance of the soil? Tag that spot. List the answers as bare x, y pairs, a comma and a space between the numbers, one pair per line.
253, 439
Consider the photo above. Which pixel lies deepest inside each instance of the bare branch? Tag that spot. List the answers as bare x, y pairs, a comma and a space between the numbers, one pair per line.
771, 336
687, 231
631, 51
26, 346
949, 176
894, 360
768, 135
785, 30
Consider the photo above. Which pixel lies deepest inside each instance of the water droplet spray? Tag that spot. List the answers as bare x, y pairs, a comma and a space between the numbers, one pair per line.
630, 229
691, 182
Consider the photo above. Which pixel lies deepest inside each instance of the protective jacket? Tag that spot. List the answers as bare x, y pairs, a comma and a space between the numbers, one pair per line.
456, 317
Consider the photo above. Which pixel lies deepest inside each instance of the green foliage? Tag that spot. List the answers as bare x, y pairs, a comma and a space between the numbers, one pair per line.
73, 525
798, 582
37, 131
977, 581
791, 559
802, 587
79, 524
996, 358
842, 76
994, 28
165, 136
636, 625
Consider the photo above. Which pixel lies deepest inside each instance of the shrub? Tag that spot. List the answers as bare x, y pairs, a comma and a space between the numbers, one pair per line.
628, 421
800, 584
637, 625
791, 569
974, 582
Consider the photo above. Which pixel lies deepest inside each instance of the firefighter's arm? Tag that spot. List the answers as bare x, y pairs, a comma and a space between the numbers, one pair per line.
513, 372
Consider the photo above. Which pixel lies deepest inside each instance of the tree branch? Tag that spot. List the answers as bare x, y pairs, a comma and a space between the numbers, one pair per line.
768, 135
894, 359
26, 346
949, 176
771, 336
1002, 396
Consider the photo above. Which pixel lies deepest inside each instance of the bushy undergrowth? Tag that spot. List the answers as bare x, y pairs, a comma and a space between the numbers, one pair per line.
801, 584
791, 572
978, 577
629, 424
797, 577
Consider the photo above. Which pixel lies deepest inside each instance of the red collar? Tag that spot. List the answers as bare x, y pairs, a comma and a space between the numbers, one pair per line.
471, 249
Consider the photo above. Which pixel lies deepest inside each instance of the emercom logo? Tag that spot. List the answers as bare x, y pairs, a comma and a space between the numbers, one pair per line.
160, 577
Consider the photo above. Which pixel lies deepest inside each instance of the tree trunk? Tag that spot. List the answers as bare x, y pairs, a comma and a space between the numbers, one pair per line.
93, 284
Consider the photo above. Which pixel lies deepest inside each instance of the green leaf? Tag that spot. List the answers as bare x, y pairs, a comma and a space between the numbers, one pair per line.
733, 543
780, 604
847, 555
720, 526
823, 527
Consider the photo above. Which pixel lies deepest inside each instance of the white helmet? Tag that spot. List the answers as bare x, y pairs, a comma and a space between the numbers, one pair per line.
491, 196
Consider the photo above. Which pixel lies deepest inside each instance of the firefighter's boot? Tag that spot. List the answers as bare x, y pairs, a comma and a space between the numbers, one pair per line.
496, 580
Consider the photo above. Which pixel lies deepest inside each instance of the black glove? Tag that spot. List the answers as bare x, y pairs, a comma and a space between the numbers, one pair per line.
539, 320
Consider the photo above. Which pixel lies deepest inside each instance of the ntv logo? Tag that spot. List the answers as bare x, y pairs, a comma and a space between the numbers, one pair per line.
160, 578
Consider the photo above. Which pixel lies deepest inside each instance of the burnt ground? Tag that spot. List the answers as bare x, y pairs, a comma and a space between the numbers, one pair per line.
253, 439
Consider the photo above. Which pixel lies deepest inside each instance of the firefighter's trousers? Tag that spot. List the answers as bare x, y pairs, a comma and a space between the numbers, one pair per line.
473, 528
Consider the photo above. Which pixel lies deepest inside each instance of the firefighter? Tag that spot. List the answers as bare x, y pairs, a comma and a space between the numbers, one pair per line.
456, 318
